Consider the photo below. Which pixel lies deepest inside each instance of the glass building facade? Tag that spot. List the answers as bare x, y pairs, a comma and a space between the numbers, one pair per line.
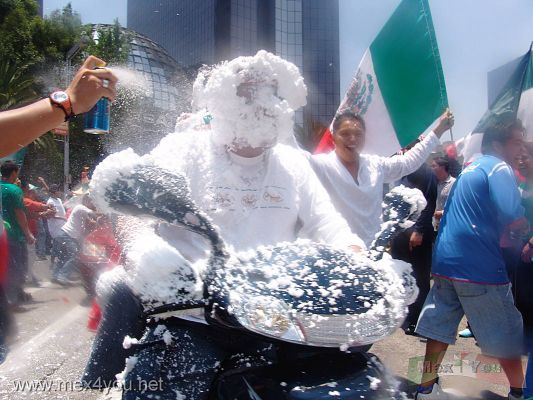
152, 111
321, 64
185, 29
305, 32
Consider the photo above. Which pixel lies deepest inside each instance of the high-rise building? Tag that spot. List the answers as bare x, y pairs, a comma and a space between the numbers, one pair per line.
305, 32
40, 7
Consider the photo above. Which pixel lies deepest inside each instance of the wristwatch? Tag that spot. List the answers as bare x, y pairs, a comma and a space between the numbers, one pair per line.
61, 100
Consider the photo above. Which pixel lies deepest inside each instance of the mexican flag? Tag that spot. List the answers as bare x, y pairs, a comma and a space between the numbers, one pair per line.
399, 86
515, 100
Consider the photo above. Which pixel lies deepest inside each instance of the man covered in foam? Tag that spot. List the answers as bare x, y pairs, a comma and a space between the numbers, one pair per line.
256, 190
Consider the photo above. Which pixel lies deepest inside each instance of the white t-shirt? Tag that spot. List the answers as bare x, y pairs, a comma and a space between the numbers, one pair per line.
360, 203
56, 222
75, 225
264, 200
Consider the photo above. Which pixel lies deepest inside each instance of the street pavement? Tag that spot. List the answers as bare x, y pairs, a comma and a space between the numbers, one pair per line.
53, 343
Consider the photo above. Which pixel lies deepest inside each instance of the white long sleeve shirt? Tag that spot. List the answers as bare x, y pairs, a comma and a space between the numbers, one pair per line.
258, 201
56, 222
360, 202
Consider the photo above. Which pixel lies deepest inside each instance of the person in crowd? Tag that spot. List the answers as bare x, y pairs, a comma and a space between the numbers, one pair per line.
99, 252
35, 212
522, 276
44, 232
468, 268
451, 155
56, 221
18, 233
6, 319
354, 180
81, 221
85, 178
414, 245
441, 169
256, 191
23, 125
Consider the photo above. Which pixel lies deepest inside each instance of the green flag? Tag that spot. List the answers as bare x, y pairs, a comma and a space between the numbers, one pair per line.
515, 100
399, 86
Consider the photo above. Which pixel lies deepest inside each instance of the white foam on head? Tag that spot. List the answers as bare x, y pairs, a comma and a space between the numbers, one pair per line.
108, 172
271, 90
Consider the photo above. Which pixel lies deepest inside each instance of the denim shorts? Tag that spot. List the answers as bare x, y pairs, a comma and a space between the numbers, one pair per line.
490, 310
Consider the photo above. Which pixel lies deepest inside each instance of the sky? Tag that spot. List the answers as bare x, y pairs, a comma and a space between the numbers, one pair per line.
474, 37
92, 11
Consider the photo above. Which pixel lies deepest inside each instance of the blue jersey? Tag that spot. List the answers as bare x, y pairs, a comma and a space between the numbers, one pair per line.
483, 200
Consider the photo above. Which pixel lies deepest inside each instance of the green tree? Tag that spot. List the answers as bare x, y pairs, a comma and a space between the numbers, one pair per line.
110, 43
31, 52
57, 33
17, 24
16, 84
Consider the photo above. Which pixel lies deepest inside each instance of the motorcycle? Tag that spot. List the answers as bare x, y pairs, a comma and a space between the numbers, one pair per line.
314, 308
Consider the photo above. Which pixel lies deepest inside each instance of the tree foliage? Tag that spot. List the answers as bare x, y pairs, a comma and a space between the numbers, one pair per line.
16, 84
110, 43
57, 33
17, 24
32, 56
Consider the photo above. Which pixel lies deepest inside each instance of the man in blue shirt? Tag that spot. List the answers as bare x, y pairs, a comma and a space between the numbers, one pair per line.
468, 269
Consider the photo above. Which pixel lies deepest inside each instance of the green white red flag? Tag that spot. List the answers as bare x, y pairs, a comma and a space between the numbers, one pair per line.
515, 100
399, 86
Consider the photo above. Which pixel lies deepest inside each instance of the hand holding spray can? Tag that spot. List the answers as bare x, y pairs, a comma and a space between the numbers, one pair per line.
97, 119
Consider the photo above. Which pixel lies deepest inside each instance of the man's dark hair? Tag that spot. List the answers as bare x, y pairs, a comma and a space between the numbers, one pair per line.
500, 133
54, 187
442, 162
24, 183
7, 168
347, 116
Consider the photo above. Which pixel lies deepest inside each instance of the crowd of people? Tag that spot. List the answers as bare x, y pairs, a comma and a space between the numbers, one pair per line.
37, 222
473, 239
28, 219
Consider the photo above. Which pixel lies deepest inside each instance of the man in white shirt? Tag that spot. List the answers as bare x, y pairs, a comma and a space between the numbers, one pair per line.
56, 222
255, 190
354, 180
68, 243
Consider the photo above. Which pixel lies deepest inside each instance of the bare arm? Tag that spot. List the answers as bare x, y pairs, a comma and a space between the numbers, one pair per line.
401, 165
21, 126
43, 182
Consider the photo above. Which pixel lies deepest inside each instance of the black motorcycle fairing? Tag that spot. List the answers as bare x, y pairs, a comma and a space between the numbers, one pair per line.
309, 277
340, 375
155, 192
315, 283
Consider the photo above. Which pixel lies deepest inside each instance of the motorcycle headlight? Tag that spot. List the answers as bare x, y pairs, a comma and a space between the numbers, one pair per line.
272, 317
346, 331
267, 316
